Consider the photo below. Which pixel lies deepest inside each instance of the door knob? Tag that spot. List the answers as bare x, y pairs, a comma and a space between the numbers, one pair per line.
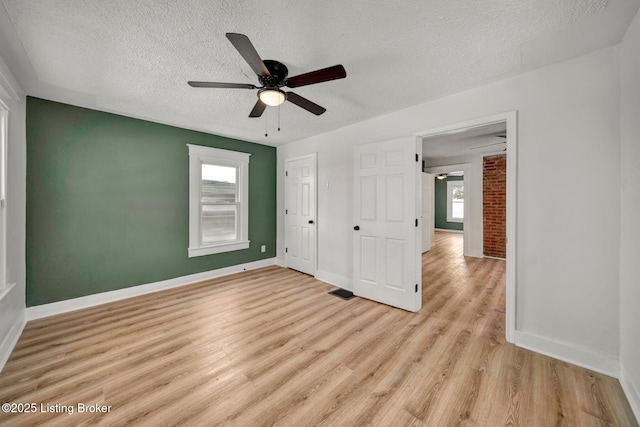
357, 227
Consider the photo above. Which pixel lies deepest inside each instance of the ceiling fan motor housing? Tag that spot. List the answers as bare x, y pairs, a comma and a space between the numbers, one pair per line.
278, 72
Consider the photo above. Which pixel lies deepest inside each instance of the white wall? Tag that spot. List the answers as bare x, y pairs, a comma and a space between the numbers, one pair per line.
12, 304
630, 208
567, 262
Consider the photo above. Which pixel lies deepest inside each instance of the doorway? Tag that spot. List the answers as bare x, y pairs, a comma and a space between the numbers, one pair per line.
473, 226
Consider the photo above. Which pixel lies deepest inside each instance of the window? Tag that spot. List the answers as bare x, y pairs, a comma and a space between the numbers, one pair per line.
218, 200
455, 201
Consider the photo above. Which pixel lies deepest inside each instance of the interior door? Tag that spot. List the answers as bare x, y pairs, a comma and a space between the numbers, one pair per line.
427, 211
300, 214
386, 239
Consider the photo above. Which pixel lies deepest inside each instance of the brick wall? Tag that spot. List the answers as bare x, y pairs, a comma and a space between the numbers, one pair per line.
494, 205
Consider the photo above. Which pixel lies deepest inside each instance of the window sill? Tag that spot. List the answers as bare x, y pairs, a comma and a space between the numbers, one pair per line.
455, 219
219, 248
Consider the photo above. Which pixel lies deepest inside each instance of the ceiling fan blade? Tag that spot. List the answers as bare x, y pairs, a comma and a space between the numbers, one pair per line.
258, 109
318, 76
249, 53
222, 85
305, 103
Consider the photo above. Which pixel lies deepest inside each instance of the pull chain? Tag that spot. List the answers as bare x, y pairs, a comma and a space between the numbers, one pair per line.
266, 114
279, 117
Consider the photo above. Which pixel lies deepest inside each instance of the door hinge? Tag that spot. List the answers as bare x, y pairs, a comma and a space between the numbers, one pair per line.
286, 249
286, 211
416, 222
286, 173
416, 287
417, 158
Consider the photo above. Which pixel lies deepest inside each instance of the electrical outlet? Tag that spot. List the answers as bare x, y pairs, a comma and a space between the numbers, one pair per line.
263, 248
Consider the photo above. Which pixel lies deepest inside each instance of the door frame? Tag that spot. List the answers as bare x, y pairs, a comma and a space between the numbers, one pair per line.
511, 120
314, 156
430, 219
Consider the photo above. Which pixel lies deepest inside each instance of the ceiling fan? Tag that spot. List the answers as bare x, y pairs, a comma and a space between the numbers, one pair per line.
273, 76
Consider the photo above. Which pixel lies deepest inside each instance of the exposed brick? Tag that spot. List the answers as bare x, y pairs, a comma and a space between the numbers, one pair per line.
494, 185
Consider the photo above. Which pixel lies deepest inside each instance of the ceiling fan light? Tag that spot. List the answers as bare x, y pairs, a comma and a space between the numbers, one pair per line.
272, 97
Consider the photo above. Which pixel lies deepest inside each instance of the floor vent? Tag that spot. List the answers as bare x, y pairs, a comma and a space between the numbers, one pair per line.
343, 293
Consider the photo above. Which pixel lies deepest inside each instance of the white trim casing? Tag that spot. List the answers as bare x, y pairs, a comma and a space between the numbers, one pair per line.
4, 143
511, 119
199, 155
46, 310
4, 138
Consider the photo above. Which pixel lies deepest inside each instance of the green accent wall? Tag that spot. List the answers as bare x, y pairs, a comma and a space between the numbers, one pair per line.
440, 209
107, 202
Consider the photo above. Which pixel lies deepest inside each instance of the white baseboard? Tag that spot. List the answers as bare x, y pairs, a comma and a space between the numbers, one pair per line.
46, 310
602, 363
475, 254
334, 279
631, 392
11, 340
446, 230
280, 262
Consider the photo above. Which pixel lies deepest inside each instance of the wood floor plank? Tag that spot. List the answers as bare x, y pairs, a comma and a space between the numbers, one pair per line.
271, 347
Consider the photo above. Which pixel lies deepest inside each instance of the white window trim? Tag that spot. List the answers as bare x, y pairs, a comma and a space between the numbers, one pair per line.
450, 185
199, 155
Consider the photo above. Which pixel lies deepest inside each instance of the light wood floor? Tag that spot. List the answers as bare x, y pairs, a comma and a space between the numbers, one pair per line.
270, 347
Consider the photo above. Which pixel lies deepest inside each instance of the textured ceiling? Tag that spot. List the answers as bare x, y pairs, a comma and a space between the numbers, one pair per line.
135, 57
465, 142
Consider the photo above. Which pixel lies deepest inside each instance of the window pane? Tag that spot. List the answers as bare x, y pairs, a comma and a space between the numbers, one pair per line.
218, 184
457, 208
457, 192
219, 223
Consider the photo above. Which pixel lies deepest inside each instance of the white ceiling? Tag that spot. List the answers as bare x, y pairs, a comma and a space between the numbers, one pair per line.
135, 57
465, 142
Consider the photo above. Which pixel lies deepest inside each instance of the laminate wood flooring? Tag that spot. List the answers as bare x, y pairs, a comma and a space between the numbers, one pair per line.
271, 347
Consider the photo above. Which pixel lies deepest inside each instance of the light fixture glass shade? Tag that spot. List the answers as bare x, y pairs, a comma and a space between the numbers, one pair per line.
272, 97
441, 176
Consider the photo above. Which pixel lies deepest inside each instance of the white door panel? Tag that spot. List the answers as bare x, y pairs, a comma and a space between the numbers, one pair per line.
385, 233
300, 212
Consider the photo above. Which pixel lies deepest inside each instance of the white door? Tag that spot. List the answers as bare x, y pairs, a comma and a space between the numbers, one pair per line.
427, 211
300, 214
386, 239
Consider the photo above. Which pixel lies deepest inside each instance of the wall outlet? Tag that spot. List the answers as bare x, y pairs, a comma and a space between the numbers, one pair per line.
263, 248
